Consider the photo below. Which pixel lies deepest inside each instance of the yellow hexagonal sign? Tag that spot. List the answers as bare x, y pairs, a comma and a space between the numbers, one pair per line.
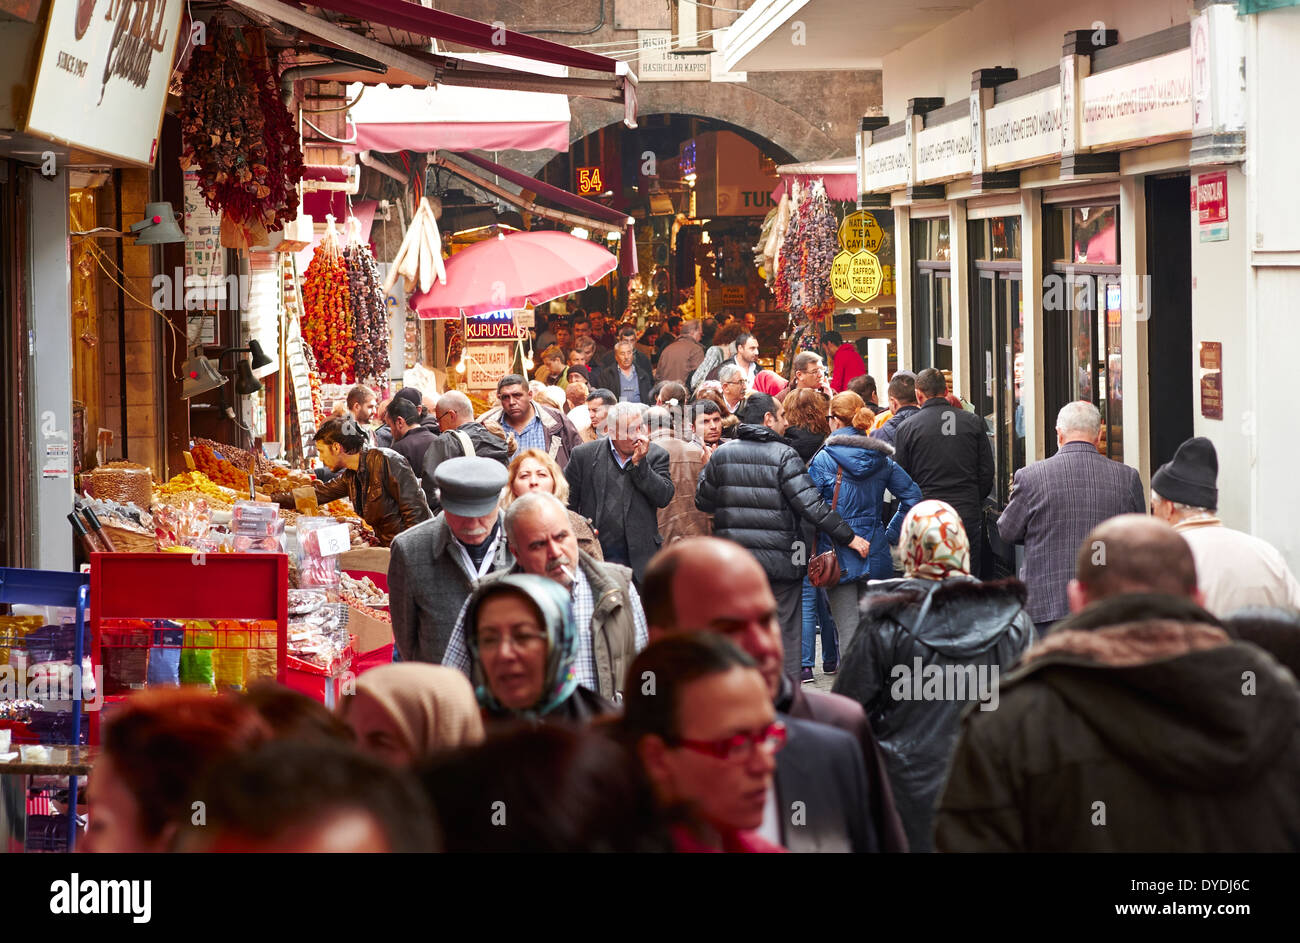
865, 276
859, 232
840, 277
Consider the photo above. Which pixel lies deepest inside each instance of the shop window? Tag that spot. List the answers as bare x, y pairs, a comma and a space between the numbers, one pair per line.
931, 295
1082, 322
997, 344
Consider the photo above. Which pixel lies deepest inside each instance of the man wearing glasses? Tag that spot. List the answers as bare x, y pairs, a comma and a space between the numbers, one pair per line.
732, 379
808, 373
461, 435
824, 797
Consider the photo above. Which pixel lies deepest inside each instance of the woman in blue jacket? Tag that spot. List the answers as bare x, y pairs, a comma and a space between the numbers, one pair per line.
864, 470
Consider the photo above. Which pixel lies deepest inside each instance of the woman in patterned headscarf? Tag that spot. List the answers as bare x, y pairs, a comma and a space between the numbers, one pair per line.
523, 645
926, 646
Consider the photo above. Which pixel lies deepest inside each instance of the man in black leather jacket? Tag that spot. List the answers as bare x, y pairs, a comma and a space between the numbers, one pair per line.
758, 490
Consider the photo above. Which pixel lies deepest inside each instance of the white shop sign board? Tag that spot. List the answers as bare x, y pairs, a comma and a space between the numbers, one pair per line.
1146, 100
486, 364
884, 166
944, 151
102, 77
1023, 130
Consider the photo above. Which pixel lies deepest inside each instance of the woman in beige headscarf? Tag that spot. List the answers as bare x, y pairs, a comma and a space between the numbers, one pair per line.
405, 712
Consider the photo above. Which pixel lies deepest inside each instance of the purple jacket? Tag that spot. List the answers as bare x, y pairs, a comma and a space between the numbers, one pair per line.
1054, 504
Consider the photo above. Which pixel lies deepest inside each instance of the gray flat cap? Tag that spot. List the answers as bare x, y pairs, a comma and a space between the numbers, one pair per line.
470, 487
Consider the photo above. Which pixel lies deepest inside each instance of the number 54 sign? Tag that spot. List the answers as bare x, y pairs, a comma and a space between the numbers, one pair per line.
590, 181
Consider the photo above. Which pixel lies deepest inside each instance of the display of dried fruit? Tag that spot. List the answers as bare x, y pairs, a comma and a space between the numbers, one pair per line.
220, 470
327, 319
370, 331
239, 137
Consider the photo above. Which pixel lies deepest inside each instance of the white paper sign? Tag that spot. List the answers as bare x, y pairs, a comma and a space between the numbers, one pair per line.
1148, 99
1023, 129
103, 75
334, 539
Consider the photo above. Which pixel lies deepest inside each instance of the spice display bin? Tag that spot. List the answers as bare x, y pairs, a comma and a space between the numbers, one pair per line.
152, 606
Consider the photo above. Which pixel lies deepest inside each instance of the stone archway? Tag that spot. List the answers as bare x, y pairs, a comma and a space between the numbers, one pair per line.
767, 106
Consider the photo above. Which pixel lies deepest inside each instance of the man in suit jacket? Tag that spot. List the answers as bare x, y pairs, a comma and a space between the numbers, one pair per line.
434, 566
628, 379
619, 482
1056, 502
831, 762
946, 451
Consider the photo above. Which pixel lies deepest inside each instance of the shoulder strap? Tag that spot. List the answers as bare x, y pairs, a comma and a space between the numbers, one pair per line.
465, 442
839, 477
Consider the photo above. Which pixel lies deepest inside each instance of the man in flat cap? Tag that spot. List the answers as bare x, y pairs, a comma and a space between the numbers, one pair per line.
436, 565
1234, 570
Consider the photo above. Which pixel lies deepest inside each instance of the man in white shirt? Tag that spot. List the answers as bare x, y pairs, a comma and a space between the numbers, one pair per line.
1234, 570
734, 385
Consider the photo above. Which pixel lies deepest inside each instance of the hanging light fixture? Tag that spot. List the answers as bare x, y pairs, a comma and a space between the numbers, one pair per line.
201, 376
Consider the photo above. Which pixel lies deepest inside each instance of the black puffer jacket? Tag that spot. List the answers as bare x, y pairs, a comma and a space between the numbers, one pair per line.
967, 624
758, 490
804, 441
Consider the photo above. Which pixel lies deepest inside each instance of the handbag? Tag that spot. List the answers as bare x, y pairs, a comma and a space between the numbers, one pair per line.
824, 569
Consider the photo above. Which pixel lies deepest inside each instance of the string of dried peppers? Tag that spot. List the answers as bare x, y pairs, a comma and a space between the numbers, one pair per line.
327, 320
370, 333
239, 137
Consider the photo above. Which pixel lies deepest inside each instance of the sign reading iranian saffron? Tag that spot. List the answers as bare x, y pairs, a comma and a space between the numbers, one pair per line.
103, 74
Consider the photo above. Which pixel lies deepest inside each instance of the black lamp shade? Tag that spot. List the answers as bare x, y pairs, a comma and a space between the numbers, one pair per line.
260, 359
245, 383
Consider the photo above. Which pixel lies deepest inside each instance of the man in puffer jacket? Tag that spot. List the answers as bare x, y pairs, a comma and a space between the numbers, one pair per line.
1138, 724
758, 490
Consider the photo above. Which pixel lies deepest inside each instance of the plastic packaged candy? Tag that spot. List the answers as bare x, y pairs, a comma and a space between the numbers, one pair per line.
196, 656
165, 652
315, 570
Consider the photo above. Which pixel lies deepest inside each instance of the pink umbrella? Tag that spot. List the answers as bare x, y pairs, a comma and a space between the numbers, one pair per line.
512, 271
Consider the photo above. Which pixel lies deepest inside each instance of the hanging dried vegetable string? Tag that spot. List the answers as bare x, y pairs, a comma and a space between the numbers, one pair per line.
370, 333
239, 137
327, 319
804, 279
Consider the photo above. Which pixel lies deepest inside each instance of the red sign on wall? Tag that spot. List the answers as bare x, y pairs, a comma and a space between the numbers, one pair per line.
590, 180
1212, 206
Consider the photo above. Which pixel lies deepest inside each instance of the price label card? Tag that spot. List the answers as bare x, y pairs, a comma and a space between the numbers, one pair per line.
334, 540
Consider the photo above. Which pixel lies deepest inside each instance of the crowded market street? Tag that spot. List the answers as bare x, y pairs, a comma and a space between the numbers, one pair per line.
650, 426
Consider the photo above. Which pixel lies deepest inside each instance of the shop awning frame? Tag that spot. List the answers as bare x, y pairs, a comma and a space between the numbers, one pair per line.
448, 27
417, 67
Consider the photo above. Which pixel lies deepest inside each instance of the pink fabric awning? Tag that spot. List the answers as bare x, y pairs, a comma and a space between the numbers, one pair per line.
463, 136
839, 174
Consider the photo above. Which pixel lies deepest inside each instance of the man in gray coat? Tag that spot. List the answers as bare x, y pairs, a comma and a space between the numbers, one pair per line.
619, 483
1056, 502
435, 565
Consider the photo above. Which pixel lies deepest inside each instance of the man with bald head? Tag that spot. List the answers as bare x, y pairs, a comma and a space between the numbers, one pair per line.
461, 435
1138, 725
705, 584
1055, 502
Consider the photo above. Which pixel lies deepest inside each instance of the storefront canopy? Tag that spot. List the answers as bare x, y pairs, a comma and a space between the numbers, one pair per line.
840, 176
459, 118
448, 27
386, 64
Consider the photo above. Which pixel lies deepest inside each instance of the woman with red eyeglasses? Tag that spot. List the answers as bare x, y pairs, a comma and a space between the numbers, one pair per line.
701, 723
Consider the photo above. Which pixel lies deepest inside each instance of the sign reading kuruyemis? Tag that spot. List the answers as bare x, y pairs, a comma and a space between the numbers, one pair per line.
102, 78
